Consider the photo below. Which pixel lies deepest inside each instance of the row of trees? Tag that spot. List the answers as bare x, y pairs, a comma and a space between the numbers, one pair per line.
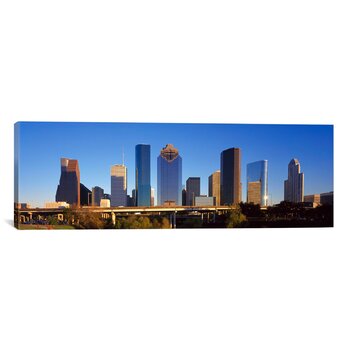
89, 220
284, 214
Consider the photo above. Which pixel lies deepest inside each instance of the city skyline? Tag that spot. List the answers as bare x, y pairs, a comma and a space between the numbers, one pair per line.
97, 146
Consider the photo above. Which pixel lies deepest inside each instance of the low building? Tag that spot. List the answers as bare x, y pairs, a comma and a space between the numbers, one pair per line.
107, 196
326, 198
22, 206
203, 200
105, 203
312, 198
57, 205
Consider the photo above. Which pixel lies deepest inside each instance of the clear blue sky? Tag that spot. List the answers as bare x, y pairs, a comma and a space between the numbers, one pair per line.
97, 146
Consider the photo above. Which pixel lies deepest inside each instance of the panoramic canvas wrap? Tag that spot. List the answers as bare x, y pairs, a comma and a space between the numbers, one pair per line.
172, 175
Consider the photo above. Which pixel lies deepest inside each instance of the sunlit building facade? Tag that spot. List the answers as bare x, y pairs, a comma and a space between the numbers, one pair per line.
312, 198
68, 189
257, 183
56, 205
230, 177
294, 185
142, 175
118, 185
152, 197
214, 186
105, 203
169, 176
203, 200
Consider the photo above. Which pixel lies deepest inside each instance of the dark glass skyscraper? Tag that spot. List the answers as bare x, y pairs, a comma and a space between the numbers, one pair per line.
142, 175
169, 176
69, 185
85, 195
97, 195
192, 189
230, 176
257, 182
294, 185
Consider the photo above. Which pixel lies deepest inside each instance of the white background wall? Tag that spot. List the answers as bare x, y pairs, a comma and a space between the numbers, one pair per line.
226, 291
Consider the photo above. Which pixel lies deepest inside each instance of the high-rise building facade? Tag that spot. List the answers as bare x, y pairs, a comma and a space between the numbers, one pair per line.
230, 177
69, 185
294, 185
118, 185
142, 175
184, 196
85, 195
152, 197
134, 197
257, 183
169, 176
192, 189
97, 195
214, 186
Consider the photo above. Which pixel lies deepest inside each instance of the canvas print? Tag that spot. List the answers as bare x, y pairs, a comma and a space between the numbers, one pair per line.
172, 175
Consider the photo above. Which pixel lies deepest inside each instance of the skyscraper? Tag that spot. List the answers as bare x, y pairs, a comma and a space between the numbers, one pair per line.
294, 185
85, 195
169, 176
69, 185
192, 189
152, 197
184, 196
118, 185
257, 182
230, 177
97, 195
142, 175
214, 186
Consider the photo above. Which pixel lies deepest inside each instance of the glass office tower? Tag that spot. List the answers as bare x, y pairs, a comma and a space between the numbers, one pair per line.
230, 177
257, 182
142, 175
169, 176
294, 185
69, 185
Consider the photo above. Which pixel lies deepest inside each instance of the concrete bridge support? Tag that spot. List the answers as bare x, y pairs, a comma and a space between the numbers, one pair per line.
173, 224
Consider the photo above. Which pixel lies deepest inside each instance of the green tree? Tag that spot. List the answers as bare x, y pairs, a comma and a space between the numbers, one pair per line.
52, 220
89, 220
235, 218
